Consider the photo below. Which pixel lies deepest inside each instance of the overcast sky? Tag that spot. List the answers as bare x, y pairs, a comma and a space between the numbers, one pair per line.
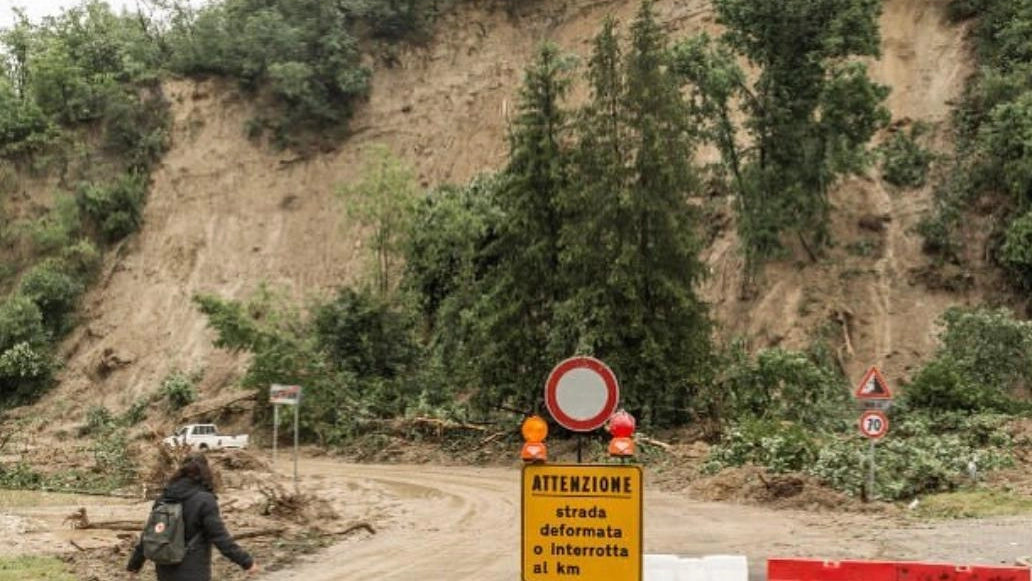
36, 9
39, 8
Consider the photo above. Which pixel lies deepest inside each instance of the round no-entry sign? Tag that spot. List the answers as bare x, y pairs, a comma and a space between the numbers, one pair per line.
874, 424
581, 393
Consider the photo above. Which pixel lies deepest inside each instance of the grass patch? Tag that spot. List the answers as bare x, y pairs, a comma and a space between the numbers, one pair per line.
10, 498
973, 504
34, 569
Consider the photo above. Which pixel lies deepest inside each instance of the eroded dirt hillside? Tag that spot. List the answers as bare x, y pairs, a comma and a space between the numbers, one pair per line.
226, 214
874, 294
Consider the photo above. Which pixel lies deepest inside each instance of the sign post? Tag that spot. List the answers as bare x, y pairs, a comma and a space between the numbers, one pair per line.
285, 395
582, 522
875, 395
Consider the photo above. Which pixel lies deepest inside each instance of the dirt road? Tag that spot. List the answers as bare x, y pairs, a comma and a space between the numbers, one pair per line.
461, 523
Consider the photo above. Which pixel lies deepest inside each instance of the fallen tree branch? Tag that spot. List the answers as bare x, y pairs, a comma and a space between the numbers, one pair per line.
359, 525
487, 440
260, 533
653, 442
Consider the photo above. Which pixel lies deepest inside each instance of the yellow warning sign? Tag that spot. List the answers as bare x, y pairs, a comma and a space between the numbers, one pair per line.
582, 521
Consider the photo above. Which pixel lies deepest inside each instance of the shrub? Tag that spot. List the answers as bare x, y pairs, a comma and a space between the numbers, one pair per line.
1016, 252
82, 259
941, 385
24, 373
137, 127
904, 467
1007, 140
24, 128
55, 292
374, 342
778, 385
115, 210
304, 51
55, 230
21, 321
178, 390
778, 446
136, 413
989, 347
904, 161
20, 475
110, 452
99, 420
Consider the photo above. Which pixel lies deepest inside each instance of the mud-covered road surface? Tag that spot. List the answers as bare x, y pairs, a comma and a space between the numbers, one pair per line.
463, 524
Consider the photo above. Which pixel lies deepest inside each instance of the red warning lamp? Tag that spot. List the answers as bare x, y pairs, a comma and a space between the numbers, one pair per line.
621, 427
534, 431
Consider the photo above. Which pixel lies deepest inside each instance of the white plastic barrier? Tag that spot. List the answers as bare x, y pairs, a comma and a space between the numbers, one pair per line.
660, 567
709, 568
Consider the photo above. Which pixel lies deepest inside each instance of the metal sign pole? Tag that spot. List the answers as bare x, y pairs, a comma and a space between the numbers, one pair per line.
297, 405
870, 471
275, 432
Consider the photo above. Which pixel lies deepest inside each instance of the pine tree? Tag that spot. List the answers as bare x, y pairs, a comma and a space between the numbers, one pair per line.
519, 294
596, 216
630, 248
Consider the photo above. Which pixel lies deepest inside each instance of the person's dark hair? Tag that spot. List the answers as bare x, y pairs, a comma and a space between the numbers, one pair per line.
195, 467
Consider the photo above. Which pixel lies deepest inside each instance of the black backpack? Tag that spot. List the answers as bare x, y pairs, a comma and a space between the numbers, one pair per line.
164, 537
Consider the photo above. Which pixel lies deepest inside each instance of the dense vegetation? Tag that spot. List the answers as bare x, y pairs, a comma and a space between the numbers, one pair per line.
81, 103
809, 112
994, 126
584, 242
78, 101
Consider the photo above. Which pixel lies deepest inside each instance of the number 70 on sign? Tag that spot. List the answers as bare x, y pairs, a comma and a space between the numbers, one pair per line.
874, 424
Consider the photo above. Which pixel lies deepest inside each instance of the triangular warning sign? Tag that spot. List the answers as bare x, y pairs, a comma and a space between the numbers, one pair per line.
873, 386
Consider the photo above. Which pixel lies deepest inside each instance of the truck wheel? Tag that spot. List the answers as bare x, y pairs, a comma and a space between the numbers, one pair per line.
203, 447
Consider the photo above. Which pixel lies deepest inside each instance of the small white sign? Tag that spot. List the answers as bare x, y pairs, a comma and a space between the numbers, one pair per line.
284, 394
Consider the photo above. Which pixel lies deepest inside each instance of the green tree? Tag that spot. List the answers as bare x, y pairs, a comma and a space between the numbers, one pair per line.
446, 263
304, 54
515, 315
811, 110
636, 271
384, 199
374, 342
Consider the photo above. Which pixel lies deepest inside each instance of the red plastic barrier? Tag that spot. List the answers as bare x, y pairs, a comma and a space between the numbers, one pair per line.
814, 570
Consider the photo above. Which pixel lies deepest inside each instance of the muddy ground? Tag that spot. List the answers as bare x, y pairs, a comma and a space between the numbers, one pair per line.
432, 522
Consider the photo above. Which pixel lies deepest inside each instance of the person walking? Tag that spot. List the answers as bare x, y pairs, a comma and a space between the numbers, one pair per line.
192, 487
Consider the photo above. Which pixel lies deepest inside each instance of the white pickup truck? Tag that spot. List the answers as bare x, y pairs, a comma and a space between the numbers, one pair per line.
205, 437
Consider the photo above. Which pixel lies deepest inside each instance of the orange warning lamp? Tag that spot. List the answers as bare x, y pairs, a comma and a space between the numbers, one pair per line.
621, 426
534, 431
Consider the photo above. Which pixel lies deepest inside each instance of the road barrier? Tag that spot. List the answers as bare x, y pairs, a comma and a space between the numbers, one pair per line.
816, 570
709, 568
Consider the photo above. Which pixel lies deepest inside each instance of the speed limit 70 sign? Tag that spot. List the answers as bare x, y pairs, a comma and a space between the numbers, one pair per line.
874, 424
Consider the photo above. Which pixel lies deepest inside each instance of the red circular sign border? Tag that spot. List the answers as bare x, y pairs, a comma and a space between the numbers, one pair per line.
612, 393
885, 421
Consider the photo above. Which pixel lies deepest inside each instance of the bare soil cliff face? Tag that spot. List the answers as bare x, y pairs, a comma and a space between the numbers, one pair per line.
226, 214
874, 291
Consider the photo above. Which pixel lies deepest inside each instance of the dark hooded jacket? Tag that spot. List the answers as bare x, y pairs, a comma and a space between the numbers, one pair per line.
204, 528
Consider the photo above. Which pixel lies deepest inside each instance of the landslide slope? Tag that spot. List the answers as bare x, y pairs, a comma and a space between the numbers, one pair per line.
226, 214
